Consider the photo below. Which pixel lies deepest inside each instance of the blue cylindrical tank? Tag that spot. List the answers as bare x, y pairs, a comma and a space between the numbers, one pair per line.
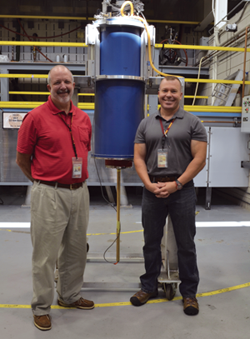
119, 97
119, 108
120, 50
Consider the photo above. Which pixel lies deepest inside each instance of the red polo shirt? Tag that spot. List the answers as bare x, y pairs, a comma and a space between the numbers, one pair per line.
46, 137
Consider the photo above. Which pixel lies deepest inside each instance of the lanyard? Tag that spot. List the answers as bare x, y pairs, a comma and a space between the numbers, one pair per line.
70, 130
166, 132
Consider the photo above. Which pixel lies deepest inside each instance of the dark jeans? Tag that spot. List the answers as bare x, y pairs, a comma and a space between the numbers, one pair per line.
181, 208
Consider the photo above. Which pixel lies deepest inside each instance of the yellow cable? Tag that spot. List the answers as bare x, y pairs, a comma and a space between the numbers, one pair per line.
197, 85
148, 34
131, 8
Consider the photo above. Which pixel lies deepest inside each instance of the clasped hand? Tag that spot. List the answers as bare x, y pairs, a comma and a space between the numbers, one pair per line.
162, 189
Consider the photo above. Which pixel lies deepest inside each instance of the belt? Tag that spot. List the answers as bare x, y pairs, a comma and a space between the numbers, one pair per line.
161, 179
57, 184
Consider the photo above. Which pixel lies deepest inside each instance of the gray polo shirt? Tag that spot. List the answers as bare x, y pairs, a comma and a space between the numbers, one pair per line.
186, 127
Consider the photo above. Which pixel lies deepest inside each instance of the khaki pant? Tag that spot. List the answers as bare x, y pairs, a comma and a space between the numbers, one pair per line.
59, 220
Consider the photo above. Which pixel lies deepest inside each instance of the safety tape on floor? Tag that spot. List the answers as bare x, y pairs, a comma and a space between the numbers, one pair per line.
155, 301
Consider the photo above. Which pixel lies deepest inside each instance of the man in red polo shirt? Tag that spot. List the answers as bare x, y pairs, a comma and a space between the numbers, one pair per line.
52, 151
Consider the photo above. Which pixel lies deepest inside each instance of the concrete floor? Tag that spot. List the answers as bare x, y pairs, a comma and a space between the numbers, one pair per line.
223, 258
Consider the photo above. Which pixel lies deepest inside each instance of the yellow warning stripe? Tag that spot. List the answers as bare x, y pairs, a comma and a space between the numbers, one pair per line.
88, 234
155, 301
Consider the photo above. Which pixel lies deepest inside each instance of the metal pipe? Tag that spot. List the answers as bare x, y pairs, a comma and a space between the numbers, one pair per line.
118, 226
226, 16
244, 65
220, 122
44, 17
231, 41
218, 81
175, 22
206, 48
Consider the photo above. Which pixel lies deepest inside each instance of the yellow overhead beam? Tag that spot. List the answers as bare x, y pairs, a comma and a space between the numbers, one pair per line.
206, 48
45, 17
43, 43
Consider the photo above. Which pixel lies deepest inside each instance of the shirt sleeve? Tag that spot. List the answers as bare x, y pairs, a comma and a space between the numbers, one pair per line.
198, 131
140, 134
90, 134
27, 135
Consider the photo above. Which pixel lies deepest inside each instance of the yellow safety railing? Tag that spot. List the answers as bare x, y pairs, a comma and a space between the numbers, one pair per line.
29, 93
204, 48
45, 76
46, 93
67, 44
91, 106
80, 44
92, 94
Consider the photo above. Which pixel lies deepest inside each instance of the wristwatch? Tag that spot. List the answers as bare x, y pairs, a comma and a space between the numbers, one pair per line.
178, 185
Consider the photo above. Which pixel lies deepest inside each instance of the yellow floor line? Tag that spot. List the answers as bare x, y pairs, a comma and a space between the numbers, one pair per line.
89, 234
155, 301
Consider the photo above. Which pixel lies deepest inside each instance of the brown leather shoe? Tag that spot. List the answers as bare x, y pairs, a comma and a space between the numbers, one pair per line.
43, 322
81, 303
140, 298
190, 306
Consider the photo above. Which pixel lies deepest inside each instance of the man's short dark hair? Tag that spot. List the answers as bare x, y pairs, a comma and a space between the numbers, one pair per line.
171, 78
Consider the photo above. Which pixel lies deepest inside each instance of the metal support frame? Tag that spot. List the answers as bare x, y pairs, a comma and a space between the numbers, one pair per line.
208, 188
226, 93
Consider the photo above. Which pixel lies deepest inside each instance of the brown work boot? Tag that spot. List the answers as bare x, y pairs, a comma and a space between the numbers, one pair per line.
140, 298
81, 303
190, 306
43, 322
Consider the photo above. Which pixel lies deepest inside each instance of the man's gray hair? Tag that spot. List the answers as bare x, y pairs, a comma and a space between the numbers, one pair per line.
48, 79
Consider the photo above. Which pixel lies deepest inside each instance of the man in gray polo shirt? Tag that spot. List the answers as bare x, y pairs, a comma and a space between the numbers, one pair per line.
170, 150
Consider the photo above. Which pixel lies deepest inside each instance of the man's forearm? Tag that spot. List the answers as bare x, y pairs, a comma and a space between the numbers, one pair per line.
24, 162
142, 172
195, 166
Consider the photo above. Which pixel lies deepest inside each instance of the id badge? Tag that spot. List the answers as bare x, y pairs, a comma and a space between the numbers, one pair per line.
76, 167
162, 158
